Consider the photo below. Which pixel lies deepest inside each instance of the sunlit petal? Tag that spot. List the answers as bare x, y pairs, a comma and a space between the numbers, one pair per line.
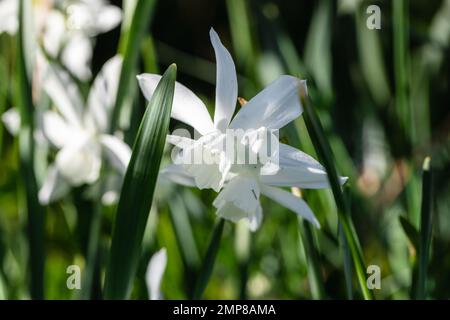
226, 84
273, 108
291, 202
187, 107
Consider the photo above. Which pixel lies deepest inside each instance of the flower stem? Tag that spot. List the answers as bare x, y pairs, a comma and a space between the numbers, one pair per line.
324, 152
208, 261
27, 146
425, 230
312, 256
129, 46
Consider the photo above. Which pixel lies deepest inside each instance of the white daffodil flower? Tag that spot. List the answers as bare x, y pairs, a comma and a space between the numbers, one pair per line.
66, 27
8, 16
155, 273
241, 183
80, 134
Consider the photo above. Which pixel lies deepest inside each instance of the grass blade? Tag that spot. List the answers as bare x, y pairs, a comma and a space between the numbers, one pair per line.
129, 46
92, 254
425, 230
347, 263
400, 45
313, 259
137, 190
185, 238
208, 261
27, 147
324, 152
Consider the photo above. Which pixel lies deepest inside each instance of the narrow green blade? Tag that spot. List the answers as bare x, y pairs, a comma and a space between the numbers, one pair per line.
209, 259
425, 230
324, 152
313, 258
26, 144
129, 46
137, 190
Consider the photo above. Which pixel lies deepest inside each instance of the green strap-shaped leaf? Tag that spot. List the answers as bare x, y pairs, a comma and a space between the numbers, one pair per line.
137, 190
209, 259
425, 231
130, 42
26, 142
325, 154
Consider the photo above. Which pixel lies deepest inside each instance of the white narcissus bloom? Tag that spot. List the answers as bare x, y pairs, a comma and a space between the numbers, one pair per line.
80, 134
155, 273
66, 28
8, 16
241, 185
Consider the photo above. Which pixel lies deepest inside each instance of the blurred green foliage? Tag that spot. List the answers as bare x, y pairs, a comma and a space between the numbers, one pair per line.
382, 97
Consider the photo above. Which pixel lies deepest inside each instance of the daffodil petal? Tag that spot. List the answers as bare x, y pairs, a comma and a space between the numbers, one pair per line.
186, 107
63, 92
291, 202
79, 163
254, 222
117, 152
155, 273
273, 108
9, 21
239, 199
226, 84
297, 169
178, 174
57, 130
54, 187
11, 120
77, 56
108, 18
103, 94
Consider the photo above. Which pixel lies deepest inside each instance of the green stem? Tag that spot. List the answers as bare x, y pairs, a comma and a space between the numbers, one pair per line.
324, 152
425, 230
130, 44
92, 254
347, 264
208, 261
313, 259
400, 63
26, 147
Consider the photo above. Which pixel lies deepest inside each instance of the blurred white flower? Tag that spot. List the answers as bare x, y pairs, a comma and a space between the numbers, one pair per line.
155, 273
66, 27
69, 31
8, 16
11, 119
241, 185
80, 134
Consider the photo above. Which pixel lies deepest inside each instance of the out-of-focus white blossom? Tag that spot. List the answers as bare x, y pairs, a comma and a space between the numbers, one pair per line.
66, 28
155, 273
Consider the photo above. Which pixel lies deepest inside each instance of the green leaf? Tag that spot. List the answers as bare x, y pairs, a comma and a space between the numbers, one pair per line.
325, 154
317, 52
184, 234
410, 231
137, 190
26, 149
425, 230
313, 258
129, 46
208, 261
